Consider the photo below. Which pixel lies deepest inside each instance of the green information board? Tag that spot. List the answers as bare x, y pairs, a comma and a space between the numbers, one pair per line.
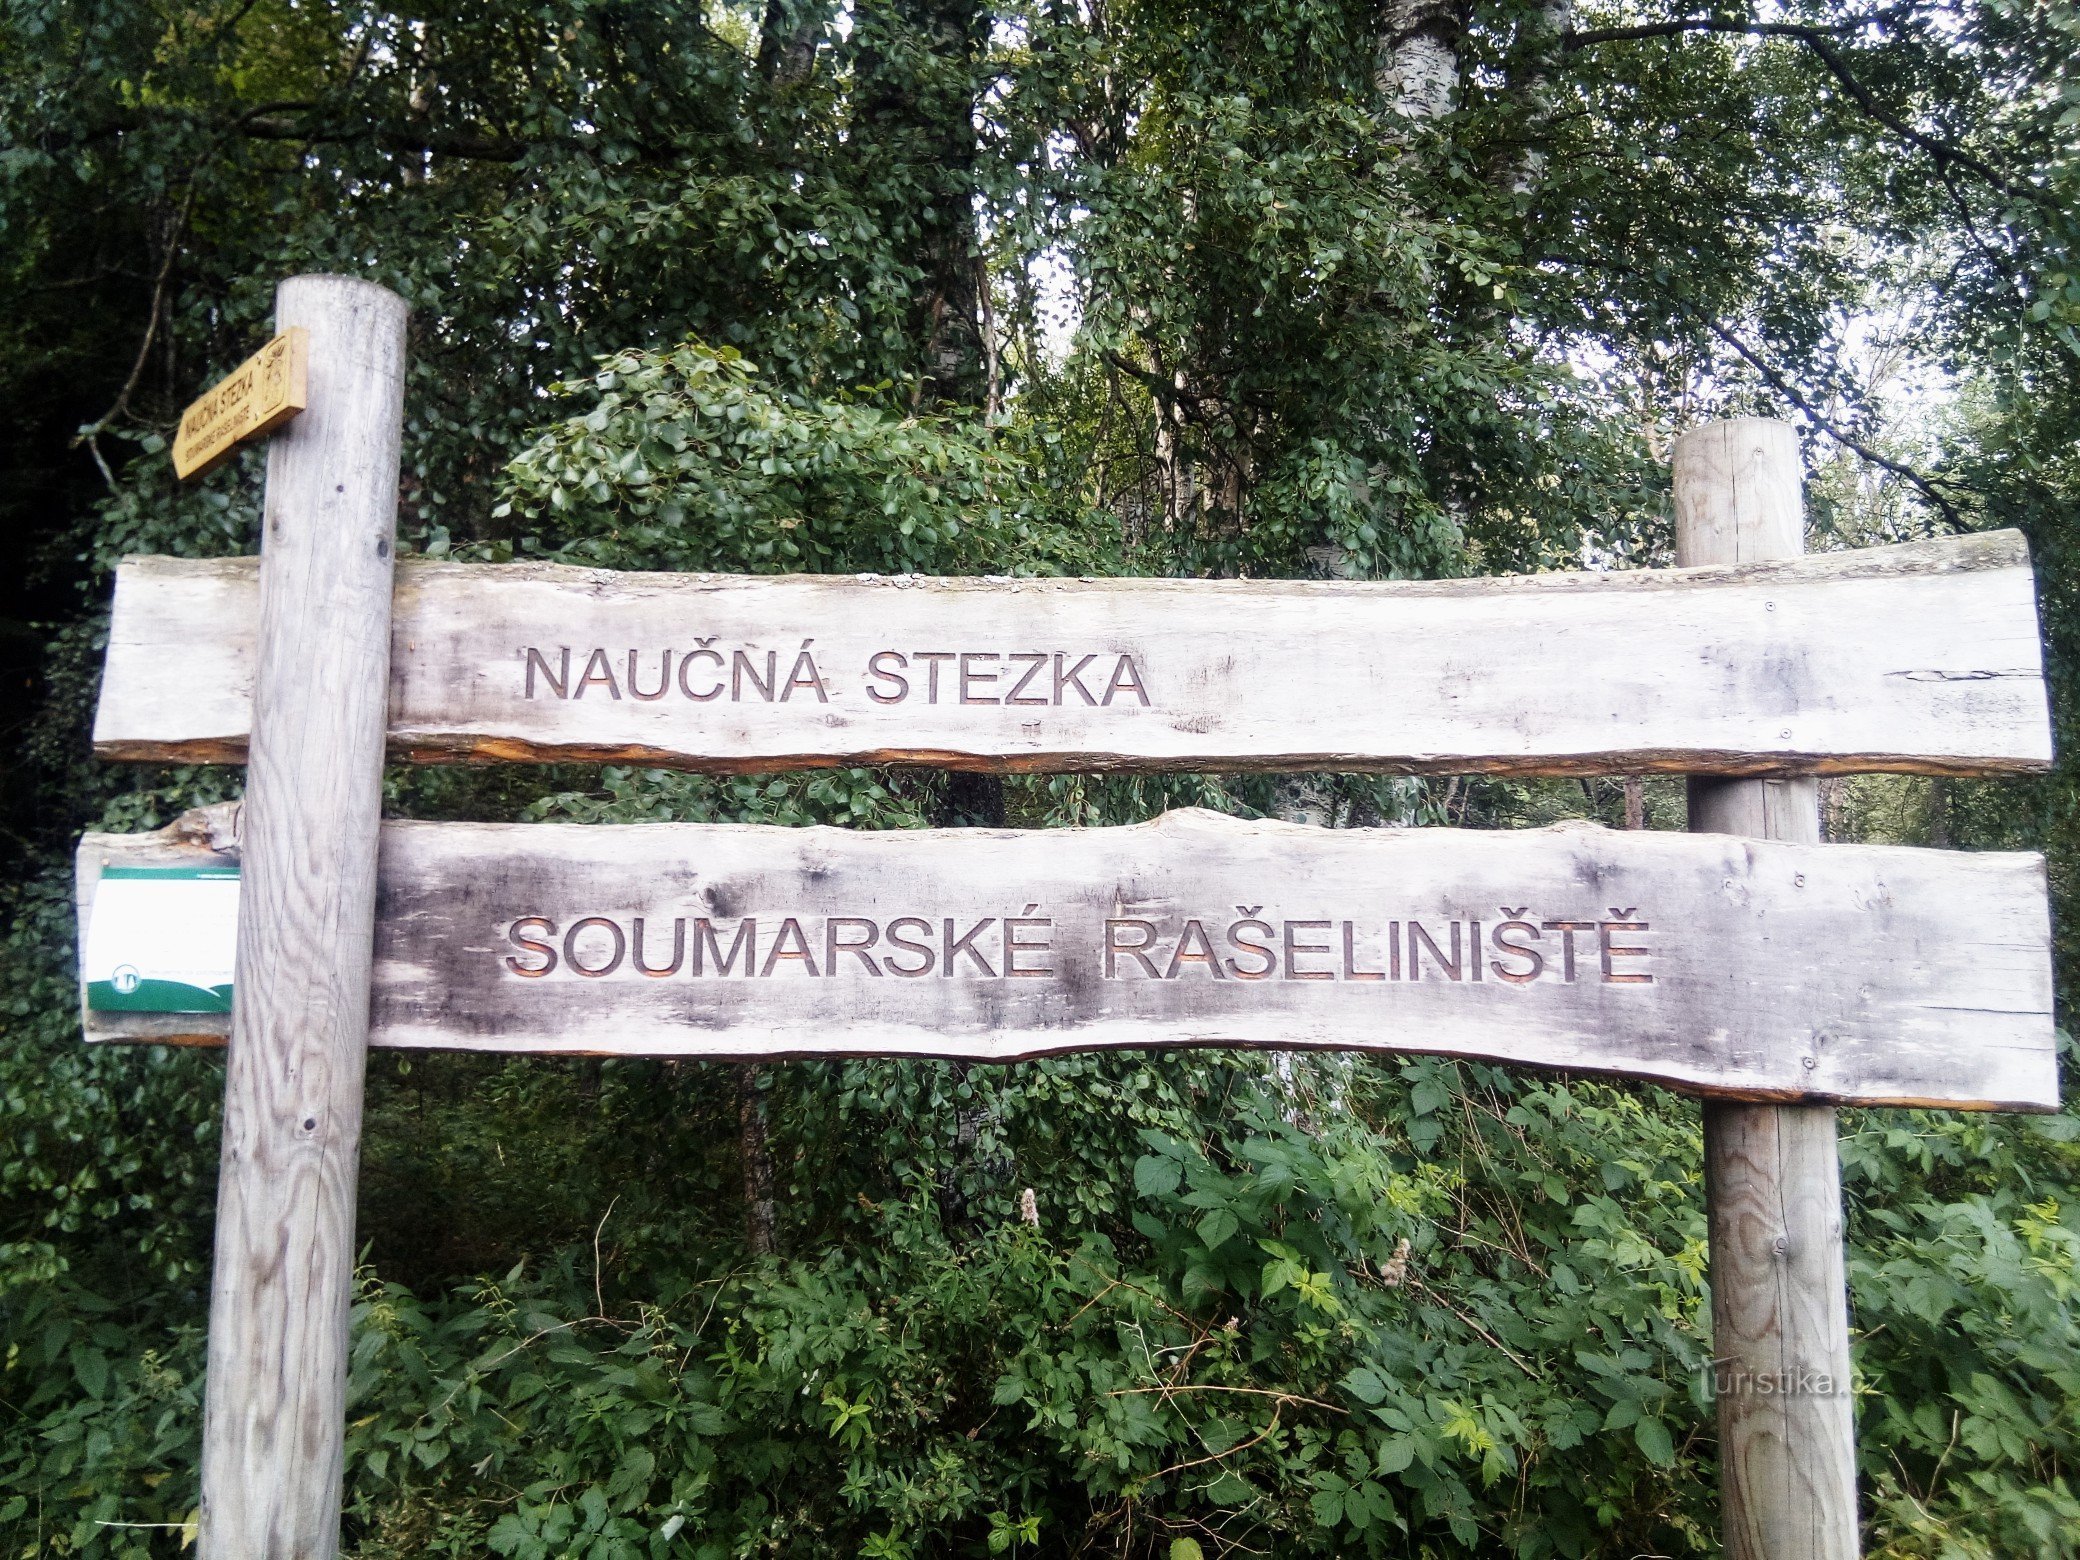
162, 940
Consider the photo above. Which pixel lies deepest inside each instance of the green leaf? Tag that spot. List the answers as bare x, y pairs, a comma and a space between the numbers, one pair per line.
1216, 1227
91, 1366
509, 1535
1011, 1388
1653, 1438
1155, 1176
1366, 1385
704, 1419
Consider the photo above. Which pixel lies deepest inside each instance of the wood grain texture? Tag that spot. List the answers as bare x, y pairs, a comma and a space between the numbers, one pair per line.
274, 1419
1780, 1332
1773, 1194
1846, 972
1740, 493
1921, 658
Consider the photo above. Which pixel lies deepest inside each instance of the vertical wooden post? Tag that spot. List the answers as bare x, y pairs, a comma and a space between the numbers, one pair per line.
1780, 1317
274, 1422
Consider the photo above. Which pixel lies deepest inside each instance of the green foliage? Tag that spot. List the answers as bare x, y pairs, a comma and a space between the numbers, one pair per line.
109, 1155
688, 461
106, 1427
1414, 1308
1964, 1275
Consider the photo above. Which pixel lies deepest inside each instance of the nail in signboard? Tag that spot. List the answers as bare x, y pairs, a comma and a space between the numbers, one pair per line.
258, 396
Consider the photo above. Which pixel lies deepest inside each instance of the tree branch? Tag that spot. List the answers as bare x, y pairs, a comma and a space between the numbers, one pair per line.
1185, 406
463, 145
1925, 486
1582, 38
1826, 425
274, 122
1822, 41
90, 435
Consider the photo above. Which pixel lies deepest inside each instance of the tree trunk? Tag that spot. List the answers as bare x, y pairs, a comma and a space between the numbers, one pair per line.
1419, 57
1937, 815
917, 74
787, 39
1534, 93
757, 1158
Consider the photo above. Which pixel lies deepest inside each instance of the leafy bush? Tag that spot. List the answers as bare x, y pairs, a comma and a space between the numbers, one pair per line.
689, 460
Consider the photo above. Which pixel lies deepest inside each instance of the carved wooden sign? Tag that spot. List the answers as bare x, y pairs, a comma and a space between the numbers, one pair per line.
1723, 965
1750, 969
1921, 658
258, 396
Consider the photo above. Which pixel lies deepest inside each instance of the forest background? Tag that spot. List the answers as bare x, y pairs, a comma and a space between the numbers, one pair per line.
1294, 288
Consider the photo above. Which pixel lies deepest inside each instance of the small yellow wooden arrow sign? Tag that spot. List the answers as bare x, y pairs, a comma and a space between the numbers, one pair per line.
261, 394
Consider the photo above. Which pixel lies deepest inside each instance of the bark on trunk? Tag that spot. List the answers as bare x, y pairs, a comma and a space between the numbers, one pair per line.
917, 74
787, 39
1419, 57
757, 1158
917, 69
1534, 90
1938, 815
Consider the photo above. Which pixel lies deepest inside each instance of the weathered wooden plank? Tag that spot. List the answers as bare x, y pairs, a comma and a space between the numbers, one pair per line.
257, 397
281, 1285
1920, 658
1773, 1188
1845, 972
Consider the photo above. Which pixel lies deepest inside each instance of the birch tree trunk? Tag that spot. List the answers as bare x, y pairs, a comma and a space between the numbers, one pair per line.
787, 39
1419, 57
1535, 94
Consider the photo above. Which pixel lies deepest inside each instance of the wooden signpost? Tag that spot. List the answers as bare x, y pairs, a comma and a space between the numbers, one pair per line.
1773, 1186
281, 1284
1770, 974
1922, 658
254, 399
1858, 973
